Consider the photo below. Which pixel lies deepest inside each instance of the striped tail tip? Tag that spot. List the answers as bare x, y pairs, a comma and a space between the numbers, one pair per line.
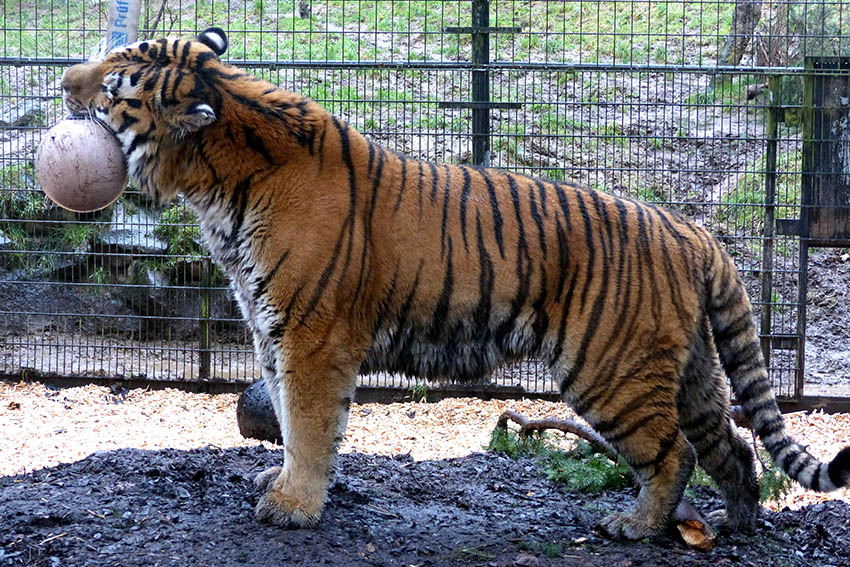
839, 468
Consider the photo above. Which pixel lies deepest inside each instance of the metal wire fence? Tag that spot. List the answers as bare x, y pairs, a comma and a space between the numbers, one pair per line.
696, 105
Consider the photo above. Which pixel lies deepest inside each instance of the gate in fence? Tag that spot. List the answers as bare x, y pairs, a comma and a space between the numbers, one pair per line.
728, 112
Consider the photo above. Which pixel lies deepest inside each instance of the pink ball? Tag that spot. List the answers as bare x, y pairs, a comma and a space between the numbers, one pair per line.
80, 166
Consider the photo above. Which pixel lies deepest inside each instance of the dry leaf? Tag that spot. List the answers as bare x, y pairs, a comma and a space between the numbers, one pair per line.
697, 535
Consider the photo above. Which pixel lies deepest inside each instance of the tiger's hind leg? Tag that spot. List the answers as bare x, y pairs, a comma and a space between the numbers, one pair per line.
662, 466
705, 420
637, 415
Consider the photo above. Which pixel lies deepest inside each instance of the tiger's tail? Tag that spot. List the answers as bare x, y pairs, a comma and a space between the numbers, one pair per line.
740, 352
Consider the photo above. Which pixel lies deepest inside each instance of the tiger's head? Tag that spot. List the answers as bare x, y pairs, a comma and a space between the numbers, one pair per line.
187, 121
152, 95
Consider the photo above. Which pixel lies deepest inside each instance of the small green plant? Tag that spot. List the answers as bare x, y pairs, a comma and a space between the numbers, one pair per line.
580, 469
259, 7
701, 478
101, 277
614, 133
649, 194
551, 549
774, 484
77, 235
419, 393
744, 205
514, 446
178, 228
555, 123
554, 174
583, 470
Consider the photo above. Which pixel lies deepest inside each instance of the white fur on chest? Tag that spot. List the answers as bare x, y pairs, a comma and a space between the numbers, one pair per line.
237, 257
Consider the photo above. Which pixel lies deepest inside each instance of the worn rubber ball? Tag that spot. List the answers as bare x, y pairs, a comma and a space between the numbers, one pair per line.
80, 166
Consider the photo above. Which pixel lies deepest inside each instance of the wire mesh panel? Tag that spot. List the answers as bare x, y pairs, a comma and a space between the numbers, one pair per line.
697, 106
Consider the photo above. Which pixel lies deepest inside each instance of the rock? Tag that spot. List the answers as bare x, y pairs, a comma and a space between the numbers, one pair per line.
132, 232
29, 112
255, 414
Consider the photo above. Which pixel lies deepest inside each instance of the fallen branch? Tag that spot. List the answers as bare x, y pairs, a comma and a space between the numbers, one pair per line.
528, 426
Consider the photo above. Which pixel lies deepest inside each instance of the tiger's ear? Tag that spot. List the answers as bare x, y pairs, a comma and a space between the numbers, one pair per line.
215, 39
189, 117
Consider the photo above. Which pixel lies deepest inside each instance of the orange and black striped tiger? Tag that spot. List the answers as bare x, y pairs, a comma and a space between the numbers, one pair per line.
347, 257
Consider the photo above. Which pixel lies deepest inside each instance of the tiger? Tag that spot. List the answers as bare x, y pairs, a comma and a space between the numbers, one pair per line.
346, 257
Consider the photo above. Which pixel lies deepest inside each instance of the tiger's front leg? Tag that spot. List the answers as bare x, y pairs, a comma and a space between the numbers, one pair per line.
314, 396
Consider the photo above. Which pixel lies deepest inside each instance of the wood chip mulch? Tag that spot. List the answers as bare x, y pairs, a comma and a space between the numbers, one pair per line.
42, 426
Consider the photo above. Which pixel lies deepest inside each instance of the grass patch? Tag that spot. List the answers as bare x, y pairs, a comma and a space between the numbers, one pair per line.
724, 90
475, 553
613, 133
743, 206
582, 470
554, 174
274, 29
650, 194
578, 470
38, 233
557, 123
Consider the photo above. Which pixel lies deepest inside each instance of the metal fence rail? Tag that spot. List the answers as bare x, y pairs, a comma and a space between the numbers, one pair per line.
685, 104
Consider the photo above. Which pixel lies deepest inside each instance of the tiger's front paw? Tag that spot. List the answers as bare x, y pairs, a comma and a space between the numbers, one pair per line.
279, 504
287, 511
263, 481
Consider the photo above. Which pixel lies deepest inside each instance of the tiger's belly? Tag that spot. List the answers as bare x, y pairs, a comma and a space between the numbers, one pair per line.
459, 352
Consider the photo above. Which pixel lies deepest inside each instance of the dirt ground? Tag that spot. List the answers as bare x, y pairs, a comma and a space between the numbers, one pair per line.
99, 476
141, 508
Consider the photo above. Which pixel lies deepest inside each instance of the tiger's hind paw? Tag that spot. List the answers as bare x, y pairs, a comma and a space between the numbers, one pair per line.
741, 523
625, 526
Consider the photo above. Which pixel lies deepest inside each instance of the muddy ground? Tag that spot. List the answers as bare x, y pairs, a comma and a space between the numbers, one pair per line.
176, 508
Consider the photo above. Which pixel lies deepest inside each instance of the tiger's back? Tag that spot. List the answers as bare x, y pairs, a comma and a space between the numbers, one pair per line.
346, 257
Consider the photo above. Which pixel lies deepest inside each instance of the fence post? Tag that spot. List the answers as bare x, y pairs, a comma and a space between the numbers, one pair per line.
479, 102
204, 347
774, 113
481, 82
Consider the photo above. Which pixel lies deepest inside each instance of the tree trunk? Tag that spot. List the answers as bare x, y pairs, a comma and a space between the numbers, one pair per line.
744, 21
